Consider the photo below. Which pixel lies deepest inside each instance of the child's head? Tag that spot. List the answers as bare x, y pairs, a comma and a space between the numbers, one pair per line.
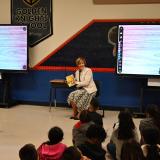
152, 110
84, 116
28, 152
94, 104
96, 134
71, 153
55, 135
126, 125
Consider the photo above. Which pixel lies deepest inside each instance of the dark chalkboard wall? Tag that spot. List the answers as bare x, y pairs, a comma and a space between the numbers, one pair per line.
92, 43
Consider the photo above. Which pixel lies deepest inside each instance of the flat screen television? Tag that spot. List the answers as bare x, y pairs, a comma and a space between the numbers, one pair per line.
13, 48
138, 50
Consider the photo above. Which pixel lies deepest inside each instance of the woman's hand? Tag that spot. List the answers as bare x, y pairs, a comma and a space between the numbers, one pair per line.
76, 82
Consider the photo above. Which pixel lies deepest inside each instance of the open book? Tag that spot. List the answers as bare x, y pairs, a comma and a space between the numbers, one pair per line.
70, 80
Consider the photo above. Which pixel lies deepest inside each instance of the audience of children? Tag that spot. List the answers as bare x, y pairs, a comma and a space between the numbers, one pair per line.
88, 135
92, 148
52, 149
80, 128
94, 116
28, 152
126, 131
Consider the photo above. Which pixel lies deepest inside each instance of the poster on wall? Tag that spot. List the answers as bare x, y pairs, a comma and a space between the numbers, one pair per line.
37, 14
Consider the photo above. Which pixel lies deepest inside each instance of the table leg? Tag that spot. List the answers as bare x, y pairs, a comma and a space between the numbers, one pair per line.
55, 97
50, 99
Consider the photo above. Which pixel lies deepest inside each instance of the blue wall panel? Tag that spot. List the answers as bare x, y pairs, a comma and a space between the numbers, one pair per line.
115, 91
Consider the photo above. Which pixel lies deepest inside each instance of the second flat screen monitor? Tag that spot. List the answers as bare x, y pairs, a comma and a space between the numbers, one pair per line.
138, 50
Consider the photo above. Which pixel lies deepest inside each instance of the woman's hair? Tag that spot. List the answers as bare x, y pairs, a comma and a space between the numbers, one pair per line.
55, 135
126, 125
151, 137
80, 60
96, 132
131, 151
28, 152
84, 116
71, 153
154, 112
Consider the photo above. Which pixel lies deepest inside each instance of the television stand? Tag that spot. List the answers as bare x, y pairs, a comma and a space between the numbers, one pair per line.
141, 113
6, 100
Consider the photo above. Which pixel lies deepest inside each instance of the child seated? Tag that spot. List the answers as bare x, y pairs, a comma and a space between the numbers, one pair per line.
80, 128
28, 152
126, 131
151, 148
131, 150
52, 149
92, 148
73, 153
94, 116
152, 119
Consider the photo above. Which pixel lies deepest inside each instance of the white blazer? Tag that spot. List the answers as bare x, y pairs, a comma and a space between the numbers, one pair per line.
86, 80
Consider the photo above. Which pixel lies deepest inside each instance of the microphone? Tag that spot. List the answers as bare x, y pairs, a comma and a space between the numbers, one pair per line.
65, 69
80, 75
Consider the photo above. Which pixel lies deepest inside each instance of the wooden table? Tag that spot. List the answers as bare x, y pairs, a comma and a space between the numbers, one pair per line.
54, 85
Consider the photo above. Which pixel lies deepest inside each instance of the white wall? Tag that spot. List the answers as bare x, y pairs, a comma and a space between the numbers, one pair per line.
69, 16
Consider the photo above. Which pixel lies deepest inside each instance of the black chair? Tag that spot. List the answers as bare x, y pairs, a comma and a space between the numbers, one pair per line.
97, 83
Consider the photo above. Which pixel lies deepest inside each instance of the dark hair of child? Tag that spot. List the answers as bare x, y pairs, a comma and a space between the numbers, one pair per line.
84, 116
55, 135
28, 152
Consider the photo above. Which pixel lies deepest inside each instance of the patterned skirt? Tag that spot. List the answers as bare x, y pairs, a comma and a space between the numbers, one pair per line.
81, 98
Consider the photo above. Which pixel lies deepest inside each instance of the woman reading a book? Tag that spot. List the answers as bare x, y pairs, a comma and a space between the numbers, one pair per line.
86, 88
